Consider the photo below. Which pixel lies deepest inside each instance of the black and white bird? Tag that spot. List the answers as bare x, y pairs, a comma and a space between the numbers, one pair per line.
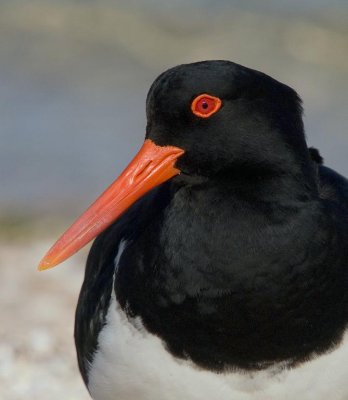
220, 270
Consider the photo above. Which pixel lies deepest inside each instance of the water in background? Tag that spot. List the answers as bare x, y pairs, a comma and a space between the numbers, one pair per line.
74, 77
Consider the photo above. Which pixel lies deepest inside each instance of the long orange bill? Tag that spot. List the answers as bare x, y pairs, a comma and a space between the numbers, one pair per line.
152, 166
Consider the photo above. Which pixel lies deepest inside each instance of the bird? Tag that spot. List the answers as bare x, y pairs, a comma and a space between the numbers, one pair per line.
220, 264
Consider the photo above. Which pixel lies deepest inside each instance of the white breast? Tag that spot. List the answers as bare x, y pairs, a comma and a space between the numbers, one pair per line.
131, 364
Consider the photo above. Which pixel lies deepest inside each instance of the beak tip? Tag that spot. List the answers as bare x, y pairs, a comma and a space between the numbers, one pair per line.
44, 264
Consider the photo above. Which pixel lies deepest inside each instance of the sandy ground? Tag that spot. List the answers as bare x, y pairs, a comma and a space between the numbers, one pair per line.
37, 354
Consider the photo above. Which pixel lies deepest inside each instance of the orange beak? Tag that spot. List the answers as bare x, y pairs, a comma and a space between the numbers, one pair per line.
152, 166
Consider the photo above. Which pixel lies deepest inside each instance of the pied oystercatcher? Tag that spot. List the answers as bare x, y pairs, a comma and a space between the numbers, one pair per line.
220, 267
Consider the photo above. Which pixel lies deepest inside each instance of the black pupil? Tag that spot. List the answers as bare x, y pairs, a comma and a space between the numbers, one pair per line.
204, 105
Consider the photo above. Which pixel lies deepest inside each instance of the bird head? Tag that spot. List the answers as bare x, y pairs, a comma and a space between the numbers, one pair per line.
203, 119
224, 115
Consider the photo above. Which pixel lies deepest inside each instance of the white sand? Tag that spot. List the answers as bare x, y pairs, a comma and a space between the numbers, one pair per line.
37, 354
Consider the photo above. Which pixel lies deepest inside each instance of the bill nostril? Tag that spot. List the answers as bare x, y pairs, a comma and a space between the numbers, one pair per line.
142, 169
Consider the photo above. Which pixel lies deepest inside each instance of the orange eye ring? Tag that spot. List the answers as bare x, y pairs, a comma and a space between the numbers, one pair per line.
205, 105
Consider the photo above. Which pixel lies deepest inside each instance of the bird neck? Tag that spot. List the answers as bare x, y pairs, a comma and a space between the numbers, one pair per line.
256, 183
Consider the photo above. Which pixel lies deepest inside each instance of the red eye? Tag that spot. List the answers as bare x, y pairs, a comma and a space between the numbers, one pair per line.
205, 105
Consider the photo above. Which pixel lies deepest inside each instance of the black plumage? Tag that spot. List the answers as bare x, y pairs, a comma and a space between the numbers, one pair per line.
239, 262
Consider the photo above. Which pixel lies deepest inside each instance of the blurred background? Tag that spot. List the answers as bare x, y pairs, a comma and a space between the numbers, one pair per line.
73, 81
